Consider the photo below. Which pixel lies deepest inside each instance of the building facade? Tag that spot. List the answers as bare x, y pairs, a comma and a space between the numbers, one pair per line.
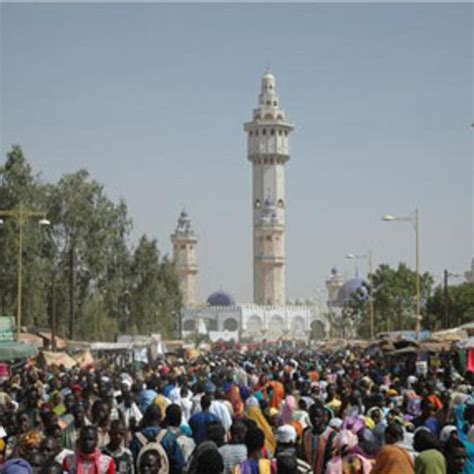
222, 319
268, 151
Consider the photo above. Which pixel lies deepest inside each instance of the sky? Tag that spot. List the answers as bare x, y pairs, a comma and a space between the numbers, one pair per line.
151, 98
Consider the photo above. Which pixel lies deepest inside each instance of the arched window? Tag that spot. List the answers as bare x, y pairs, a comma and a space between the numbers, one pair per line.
231, 324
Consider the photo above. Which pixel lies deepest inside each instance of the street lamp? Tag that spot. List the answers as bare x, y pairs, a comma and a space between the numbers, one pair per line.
416, 222
368, 257
447, 275
21, 216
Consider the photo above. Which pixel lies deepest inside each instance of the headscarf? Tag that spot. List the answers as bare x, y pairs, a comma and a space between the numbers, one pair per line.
16, 466
430, 461
278, 393
288, 410
236, 401
29, 441
392, 459
255, 414
251, 401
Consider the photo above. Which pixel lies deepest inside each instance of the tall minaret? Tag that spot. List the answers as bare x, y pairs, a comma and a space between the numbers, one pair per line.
184, 242
268, 151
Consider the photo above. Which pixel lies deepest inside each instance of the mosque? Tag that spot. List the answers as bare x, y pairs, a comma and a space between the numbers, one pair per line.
270, 316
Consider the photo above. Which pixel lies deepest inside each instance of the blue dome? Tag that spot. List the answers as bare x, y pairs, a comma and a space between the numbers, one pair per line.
221, 298
349, 288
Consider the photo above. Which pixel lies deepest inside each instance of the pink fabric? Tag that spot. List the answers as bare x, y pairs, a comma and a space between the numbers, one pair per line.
288, 409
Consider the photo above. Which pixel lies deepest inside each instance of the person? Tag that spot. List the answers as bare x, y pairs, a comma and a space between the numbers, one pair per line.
346, 459
52, 451
235, 451
101, 419
148, 396
87, 458
128, 409
392, 458
287, 448
430, 461
255, 414
428, 417
255, 463
198, 422
173, 422
456, 456
121, 455
150, 463
317, 440
36, 461
150, 430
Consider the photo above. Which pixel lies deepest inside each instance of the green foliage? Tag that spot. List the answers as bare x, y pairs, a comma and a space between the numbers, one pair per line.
84, 253
393, 292
460, 306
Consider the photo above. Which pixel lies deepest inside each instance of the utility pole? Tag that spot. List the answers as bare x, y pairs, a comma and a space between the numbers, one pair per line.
446, 300
71, 291
21, 216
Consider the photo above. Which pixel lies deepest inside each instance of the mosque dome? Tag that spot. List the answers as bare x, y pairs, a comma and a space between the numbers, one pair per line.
349, 288
221, 298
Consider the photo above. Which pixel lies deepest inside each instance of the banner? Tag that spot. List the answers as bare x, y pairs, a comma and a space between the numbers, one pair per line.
7, 328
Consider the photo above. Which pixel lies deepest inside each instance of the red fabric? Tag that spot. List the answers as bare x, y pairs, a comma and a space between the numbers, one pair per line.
470, 360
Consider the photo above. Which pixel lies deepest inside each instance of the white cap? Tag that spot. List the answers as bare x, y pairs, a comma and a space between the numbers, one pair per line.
286, 434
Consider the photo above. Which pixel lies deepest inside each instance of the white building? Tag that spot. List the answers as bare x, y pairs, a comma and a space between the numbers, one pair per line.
222, 318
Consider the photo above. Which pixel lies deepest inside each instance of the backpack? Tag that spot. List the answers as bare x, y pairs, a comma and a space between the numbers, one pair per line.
154, 445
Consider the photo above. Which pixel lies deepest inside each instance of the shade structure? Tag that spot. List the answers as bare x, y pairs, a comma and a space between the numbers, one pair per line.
10, 350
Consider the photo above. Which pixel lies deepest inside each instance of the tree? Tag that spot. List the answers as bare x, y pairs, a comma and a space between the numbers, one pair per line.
393, 292
81, 269
460, 305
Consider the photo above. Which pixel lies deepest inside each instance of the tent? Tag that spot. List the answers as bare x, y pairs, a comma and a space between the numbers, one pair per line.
58, 359
10, 350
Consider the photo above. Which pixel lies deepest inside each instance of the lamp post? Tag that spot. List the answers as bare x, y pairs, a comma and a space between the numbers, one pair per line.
368, 257
447, 275
416, 222
21, 216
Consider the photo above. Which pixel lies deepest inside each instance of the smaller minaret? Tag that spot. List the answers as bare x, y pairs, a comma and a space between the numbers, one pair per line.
333, 283
184, 242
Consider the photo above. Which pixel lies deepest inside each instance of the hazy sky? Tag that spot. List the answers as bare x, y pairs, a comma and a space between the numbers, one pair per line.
150, 98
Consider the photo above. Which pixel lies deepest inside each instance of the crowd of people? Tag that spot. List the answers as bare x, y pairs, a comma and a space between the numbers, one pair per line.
265, 411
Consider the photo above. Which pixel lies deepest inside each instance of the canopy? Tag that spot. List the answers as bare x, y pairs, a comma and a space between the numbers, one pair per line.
58, 359
10, 350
